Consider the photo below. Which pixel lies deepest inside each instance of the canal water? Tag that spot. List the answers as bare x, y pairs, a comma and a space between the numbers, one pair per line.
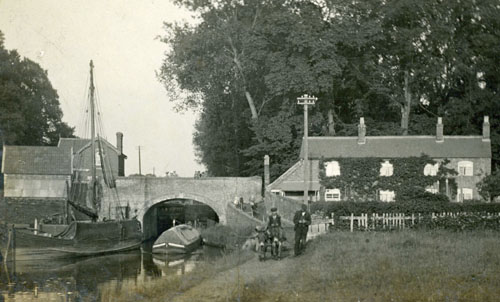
82, 279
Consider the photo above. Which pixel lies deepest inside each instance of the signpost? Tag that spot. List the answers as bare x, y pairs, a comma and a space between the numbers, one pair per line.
306, 101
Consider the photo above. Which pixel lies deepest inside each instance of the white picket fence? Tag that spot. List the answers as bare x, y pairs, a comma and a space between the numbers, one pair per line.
384, 221
397, 220
377, 221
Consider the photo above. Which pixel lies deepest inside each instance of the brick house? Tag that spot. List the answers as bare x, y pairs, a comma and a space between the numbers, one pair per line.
43, 171
469, 156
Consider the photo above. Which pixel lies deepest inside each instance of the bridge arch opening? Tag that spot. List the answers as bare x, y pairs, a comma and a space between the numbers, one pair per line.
163, 215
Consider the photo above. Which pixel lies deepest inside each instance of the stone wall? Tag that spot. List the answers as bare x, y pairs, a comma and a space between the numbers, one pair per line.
36, 186
25, 210
237, 218
141, 193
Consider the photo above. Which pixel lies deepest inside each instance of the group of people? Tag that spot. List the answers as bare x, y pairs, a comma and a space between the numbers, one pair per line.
301, 220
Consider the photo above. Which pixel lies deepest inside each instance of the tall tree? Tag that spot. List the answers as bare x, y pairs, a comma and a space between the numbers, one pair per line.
398, 63
30, 112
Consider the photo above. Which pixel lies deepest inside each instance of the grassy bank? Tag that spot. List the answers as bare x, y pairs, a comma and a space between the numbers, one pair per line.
343, 266
398, 266
227, 237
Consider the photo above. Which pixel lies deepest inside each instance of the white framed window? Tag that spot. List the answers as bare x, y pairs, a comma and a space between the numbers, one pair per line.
464, 194
332, 195
465, 168
332, 168
387, 195
278, 192
434, 188
386, 169
431, 170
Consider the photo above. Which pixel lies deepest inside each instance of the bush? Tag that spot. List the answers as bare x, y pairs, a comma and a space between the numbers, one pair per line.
423, 205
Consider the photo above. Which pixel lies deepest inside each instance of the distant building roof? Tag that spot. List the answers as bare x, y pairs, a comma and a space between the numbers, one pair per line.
398, 146
36, 160
293, 178
44, 160
75, 143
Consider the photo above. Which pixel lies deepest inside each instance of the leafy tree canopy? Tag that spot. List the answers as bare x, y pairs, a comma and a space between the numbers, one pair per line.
30, 113
400, 64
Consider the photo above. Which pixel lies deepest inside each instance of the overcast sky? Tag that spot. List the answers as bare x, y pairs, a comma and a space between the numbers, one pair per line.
119, 35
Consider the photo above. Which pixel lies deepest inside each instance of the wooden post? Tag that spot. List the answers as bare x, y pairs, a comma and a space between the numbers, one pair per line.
13, 249
36, 226
352, 222
9, 239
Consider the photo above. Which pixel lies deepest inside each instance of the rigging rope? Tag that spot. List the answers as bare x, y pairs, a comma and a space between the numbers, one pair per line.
105, 163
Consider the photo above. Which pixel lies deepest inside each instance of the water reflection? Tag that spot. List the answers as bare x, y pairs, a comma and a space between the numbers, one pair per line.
81, 279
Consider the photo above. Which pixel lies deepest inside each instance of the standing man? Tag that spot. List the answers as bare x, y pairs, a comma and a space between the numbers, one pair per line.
302, 220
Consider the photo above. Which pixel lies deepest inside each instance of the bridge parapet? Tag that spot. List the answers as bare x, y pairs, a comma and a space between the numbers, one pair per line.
141, 193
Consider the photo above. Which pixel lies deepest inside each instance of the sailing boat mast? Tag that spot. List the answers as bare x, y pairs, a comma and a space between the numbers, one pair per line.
92, 129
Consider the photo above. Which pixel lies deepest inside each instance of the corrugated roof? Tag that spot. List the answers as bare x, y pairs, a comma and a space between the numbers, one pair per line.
36, 160
399, 146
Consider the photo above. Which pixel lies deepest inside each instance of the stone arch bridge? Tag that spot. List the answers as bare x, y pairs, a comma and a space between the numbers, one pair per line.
142, 193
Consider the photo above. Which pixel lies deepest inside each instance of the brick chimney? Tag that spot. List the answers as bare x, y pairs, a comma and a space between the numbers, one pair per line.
267, 176
361, 131
121, 156
486, 129
439, 130
119, 142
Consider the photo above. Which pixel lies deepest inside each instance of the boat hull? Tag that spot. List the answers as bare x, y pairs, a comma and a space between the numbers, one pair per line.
172, 248
80, 239
181, 239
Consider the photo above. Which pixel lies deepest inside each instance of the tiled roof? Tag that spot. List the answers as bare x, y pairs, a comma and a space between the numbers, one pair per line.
75, 143
36, 160
80, 143
42, 160
399, 146
293, 178
296, 185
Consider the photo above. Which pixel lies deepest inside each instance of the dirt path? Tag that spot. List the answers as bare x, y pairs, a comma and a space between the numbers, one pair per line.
225, 285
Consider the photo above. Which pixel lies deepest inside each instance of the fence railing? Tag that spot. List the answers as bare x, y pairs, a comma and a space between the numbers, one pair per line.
389, 221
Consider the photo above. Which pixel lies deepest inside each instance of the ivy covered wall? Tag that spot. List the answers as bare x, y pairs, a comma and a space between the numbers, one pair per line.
360, 178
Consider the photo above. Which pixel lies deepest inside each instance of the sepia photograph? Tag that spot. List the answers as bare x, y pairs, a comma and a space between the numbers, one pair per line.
249, 150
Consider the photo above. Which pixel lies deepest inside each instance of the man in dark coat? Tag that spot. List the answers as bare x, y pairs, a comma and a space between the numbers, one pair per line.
302, 220
274, 224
